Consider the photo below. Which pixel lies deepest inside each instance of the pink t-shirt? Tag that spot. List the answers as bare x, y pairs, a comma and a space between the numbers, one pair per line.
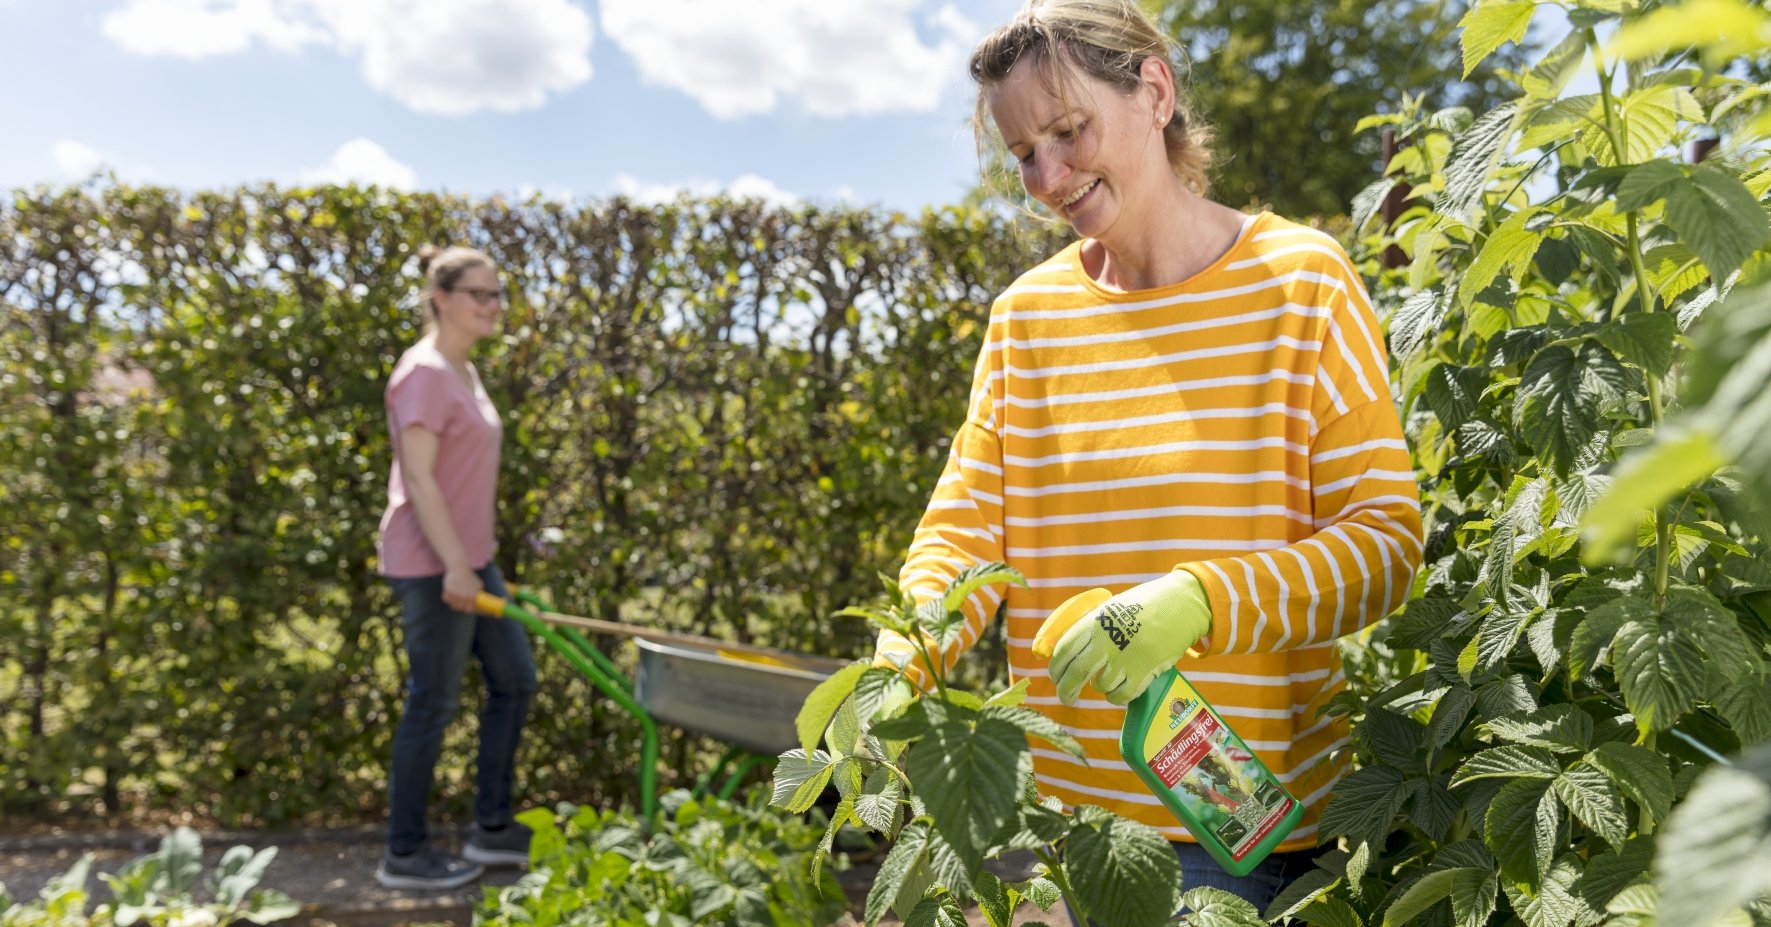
425, 391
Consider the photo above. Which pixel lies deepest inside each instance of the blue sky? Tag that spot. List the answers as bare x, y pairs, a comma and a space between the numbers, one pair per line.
820, 100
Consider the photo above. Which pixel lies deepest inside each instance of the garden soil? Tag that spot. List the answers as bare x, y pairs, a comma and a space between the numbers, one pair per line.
331, 873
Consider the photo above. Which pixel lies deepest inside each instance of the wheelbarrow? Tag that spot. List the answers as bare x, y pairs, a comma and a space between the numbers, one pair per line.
743, 695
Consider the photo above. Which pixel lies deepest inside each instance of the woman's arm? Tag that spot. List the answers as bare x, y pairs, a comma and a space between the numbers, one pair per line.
418, 458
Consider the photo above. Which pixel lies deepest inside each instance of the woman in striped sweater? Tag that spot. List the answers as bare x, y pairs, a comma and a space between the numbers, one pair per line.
1189, 406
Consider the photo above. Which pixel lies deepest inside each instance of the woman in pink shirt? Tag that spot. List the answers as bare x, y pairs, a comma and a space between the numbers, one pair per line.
437, 542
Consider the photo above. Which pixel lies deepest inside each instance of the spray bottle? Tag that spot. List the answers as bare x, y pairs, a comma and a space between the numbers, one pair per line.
1190, 759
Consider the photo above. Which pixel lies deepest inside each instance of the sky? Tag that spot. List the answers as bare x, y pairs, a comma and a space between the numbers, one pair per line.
821, 101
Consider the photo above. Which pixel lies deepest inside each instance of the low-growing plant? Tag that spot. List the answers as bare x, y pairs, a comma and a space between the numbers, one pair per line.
948, 776
698, 861
162, 889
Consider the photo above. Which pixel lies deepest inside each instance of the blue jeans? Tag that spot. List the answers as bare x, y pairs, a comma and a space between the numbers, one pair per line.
438, 640
1259, 888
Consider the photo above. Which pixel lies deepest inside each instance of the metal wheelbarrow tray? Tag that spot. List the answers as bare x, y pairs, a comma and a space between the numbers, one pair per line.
741, 694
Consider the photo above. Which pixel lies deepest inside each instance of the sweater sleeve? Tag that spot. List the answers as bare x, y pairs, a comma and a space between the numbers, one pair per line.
1360, 562
960, 528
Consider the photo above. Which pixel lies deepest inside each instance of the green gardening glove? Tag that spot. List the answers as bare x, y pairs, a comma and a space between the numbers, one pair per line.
1123, 643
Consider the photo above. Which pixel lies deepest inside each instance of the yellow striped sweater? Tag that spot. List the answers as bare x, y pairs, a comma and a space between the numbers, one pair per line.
1238, 425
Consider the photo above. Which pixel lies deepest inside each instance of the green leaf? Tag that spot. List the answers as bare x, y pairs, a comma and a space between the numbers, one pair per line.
1643, 339
1659, 669
1509, 248
1427, 891
967, 777
1449, 714
1471, 165
936, 912
1414, 320
1329, 911
1715, 853
1559, 400
1547, 78
1009, 697
1721, 29
1454, 393
1473, 896
181, 861
1559, 728
913, 723
1553, 903
1521, 829
1037, 725
800, 777
1595, 802
1650, 117
1304, 889
1431, 806
901, 873
1718, 217
1491, 24
269, 906
1123, 872
877, 805
1608, 873
1364, 802
1644, 480
993, 900
1746, 705
975, 577
1648, 183
1214, 907
821, 705
1641, 773
1508, 762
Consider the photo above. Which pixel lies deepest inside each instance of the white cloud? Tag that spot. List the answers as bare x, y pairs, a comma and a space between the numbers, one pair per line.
747, 186
448, 57
76, 160
839, 58
361, 161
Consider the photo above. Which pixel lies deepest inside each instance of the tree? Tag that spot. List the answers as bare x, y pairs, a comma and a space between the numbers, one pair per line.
1286, 82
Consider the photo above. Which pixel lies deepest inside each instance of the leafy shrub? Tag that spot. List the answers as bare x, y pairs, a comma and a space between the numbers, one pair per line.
160, 889
698, 861
1548, 699
948, 776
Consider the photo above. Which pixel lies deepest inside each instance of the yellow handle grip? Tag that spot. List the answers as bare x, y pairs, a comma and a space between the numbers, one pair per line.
488, 604
1065, 615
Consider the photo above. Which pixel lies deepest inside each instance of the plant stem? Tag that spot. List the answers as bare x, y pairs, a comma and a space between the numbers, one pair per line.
1663, 526
1062, 881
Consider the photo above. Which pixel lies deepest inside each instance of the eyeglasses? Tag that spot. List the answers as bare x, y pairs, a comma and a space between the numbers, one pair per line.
480, 295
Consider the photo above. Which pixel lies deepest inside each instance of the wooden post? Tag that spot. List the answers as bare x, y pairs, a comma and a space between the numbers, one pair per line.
1393, 201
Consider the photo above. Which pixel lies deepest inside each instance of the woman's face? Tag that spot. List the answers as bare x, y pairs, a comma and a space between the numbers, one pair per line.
472, 305
1091, 153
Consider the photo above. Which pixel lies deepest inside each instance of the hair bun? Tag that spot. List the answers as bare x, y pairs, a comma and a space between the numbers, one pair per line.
426, 253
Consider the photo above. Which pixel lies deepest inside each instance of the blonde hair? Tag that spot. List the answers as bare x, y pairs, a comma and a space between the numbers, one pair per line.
442, 269
1104, 39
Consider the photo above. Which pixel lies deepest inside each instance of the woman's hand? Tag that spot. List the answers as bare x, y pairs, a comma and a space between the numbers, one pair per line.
460, 586
1122, 643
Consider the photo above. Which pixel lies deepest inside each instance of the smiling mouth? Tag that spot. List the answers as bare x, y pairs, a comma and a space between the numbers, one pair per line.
1081, 192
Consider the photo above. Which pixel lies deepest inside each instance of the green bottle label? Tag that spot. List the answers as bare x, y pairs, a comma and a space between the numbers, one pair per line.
1212, 773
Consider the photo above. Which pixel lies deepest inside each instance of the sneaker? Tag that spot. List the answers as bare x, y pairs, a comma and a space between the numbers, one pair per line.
506, 846
425, 869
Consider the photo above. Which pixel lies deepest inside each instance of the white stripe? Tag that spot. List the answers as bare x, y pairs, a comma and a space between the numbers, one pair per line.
1141, 334
1334, 332
1168, 511
1130, 798
1401, 476
1399, 531
1334, 395
1310, 585
1218, 548
1163, 479
1260, 608
1185, 415
1360, 506
1153, 450
1165, 389
1340, 585
1158, 360
1284, 600
972, 463
1091, 763
1396, 444
1364, 573
1384, 543
1178, 299
1267, 257
1021, 288
1235, 605
944, 531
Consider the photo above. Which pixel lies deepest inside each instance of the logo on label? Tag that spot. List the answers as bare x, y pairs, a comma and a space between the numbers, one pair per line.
1179, 709
1120, 622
